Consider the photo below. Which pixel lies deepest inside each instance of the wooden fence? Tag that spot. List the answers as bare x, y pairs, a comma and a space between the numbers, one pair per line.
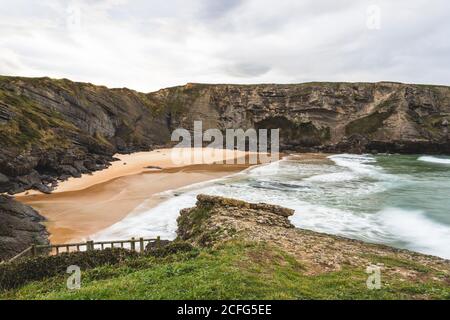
134, 244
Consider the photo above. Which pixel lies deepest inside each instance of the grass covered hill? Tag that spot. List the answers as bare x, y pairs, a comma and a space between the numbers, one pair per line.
228, 249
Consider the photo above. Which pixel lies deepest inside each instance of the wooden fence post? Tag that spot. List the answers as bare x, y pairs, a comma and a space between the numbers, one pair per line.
141, 243
33, 251
133, 244
158, 242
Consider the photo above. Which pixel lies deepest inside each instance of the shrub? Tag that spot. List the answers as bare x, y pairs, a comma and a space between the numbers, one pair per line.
13, 275
171, 248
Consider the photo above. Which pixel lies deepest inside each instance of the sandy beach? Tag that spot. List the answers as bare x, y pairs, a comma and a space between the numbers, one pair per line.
80, 207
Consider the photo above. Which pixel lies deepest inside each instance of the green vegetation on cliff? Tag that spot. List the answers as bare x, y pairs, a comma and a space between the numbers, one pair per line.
230, 249
234, 270
30, 123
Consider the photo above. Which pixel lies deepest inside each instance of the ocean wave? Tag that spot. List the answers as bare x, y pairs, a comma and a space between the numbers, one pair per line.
419, 233
333, 177
357, 174
272, 168
361, 164
144, 222
436, 160
319, 218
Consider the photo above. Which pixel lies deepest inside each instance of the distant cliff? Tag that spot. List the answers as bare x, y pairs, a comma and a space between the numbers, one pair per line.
54, 129
342, 117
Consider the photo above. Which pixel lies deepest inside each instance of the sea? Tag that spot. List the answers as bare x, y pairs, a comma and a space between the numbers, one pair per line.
397, 200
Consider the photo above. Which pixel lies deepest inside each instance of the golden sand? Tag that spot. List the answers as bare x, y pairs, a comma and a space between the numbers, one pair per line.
80, 207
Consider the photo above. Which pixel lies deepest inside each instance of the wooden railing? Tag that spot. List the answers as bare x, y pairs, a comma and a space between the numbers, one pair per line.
133, 244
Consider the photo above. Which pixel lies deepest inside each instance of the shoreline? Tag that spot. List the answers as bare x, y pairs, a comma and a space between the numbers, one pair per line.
81, 207
142, 162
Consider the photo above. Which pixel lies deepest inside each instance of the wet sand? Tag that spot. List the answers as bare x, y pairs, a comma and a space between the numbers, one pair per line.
81, 207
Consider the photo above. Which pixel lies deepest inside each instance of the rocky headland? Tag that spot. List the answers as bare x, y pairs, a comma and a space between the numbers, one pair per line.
216, 220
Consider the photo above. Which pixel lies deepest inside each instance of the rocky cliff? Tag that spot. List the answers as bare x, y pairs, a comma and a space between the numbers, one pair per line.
52, 129
57, 128
335, 117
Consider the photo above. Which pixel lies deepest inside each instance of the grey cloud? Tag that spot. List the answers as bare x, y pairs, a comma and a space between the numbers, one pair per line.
149, 44
246, 70
216, 9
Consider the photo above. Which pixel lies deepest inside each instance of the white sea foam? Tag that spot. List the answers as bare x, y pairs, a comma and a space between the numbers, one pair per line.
333, 177
320, 201
349, 167
418, 231
144, 222
339, 222
360, 164
436, 160
272, 168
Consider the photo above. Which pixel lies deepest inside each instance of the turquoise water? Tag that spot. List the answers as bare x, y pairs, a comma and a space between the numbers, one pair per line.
402, 201
425, 186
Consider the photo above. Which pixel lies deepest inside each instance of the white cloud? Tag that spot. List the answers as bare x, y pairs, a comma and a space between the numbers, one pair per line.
147, 45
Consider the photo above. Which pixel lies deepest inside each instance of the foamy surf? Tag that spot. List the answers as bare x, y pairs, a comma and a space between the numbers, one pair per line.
417, 231
348, 198
360, 164
431, 159
149, 223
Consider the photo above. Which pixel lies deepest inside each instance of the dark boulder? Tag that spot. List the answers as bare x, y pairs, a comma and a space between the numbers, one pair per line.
20, 227
69, 171
4, 183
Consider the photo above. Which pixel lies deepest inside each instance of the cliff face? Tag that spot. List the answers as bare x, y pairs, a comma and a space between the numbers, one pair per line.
54, 129
57, 128
348, 117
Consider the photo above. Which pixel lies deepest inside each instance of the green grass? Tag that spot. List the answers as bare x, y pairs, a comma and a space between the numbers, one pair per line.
194, 221
233, 271
374, 121
368, 124
396, 262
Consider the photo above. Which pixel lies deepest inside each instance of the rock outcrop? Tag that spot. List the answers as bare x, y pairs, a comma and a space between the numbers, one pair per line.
20, 227
215, 220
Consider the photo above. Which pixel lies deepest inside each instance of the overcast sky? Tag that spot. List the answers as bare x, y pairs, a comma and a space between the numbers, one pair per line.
147, 44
